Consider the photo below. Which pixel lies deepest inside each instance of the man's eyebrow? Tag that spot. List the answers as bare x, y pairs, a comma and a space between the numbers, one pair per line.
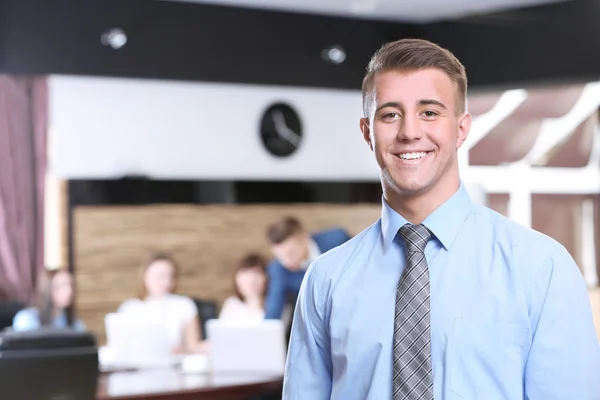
430, 102
394, 104
424, 102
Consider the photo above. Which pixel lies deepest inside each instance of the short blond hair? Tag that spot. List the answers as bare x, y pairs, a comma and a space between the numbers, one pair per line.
408, 55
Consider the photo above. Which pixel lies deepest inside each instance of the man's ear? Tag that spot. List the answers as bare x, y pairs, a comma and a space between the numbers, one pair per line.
464, 127
366, 131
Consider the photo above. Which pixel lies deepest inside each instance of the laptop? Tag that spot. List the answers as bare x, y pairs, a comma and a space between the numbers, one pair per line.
247, 347
135, 342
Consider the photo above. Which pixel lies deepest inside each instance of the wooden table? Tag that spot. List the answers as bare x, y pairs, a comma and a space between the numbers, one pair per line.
172, 384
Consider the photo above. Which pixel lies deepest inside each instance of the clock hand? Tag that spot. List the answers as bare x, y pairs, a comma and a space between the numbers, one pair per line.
283, 130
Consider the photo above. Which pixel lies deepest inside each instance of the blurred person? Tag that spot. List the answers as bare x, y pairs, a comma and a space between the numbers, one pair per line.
250, 282
52, 304
440, 298
294, 249
157, 301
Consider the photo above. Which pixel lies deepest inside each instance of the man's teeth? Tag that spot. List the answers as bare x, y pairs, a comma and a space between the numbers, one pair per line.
412, 156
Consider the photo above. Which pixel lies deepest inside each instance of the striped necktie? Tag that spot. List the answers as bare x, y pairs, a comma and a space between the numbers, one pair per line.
413, 378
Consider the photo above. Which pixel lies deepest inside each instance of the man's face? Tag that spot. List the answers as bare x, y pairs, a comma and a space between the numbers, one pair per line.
292, 252
415, 130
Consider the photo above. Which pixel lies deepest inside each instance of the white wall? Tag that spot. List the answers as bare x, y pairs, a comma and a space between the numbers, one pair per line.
106, 128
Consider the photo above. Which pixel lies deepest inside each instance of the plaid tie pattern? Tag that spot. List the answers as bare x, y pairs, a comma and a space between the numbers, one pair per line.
413, 378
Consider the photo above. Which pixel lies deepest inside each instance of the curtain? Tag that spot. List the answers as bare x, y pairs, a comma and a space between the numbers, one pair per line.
23, 131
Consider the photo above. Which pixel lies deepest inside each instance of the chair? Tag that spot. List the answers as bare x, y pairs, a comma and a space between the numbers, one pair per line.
207, 309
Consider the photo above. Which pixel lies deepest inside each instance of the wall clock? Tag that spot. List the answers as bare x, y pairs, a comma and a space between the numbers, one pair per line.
281, 130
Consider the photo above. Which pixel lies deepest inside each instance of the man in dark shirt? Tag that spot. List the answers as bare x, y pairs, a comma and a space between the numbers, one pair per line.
294, 249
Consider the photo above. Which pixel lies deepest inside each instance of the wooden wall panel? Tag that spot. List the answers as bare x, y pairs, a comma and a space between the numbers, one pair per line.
111, 243
64, 226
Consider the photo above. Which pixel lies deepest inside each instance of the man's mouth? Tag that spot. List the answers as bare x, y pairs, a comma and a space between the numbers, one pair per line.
412, 156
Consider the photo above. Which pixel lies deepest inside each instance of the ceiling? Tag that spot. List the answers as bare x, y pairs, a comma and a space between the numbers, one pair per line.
416, 11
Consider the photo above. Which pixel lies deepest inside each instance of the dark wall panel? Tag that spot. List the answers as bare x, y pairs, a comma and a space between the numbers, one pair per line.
140, 191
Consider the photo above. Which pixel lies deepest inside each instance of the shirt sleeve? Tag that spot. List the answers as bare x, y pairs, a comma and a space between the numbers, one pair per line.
26, 320
79, 326
308, 370
189, 311
345, 235
564, 358
276, 292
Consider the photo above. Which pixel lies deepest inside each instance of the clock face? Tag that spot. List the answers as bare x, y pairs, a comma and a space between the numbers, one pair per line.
281, 130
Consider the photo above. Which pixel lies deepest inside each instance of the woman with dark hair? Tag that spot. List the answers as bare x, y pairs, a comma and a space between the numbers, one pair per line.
52, 305
157, 301
250, 282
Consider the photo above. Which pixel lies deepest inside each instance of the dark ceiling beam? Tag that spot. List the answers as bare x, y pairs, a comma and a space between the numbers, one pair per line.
557, 43
185, 41
173, 40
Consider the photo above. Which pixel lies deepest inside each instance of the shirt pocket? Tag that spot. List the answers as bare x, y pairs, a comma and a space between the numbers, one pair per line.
487, 359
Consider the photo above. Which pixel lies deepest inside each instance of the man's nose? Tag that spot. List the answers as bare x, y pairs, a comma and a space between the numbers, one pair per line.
410, 128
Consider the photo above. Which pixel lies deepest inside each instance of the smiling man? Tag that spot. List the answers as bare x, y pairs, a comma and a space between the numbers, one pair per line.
440, 298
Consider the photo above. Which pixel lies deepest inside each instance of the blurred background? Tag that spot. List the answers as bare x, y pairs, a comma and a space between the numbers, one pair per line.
134, 127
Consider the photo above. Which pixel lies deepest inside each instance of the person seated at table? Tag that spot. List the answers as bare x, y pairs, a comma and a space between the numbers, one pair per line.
158, 301
250, 282
52, 305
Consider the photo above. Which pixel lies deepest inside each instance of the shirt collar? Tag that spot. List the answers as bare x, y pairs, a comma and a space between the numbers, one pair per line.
444, 222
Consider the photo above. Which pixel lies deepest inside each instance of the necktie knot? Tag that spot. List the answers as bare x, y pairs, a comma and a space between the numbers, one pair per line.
415, 237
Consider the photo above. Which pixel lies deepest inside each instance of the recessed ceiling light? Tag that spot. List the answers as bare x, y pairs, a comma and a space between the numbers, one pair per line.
115, 38
334, 54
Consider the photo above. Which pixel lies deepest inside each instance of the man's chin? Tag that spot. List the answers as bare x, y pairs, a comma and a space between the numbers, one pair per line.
408, 186
293, 268
410, 190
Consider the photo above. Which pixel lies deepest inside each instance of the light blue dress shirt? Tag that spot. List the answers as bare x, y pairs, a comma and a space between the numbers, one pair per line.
510, 313
28, 319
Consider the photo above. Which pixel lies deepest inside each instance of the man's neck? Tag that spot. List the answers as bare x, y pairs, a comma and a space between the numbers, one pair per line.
416, 208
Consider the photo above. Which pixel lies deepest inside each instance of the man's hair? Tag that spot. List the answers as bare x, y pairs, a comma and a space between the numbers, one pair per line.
409, 55
283, 229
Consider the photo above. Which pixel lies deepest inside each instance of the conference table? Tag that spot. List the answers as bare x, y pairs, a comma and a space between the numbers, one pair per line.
173, 384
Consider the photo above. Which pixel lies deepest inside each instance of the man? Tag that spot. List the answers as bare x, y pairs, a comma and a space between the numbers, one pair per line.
440, 298
294, 249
